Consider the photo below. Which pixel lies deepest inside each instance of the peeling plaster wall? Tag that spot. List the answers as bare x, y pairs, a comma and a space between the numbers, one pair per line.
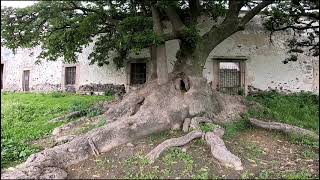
264, 67
47, 76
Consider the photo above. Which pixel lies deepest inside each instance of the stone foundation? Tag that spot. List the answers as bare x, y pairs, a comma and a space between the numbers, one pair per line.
108, 88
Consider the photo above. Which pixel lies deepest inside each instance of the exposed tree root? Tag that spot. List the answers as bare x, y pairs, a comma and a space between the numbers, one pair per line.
66, 116
186, 124
195, 122
221, 153
286, 128
174, 142
156, 108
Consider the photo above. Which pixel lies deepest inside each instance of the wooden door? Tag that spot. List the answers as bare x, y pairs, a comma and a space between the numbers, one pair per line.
25, 80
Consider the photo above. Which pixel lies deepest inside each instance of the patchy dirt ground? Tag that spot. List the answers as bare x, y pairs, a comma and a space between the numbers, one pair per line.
264, 155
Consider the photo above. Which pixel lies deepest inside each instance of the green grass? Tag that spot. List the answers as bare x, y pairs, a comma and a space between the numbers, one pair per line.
24, 118
207, 127
299, 109
231, 129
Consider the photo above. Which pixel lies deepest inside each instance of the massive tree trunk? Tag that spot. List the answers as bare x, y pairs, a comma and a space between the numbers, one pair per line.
161, 56
161, 104
150, 109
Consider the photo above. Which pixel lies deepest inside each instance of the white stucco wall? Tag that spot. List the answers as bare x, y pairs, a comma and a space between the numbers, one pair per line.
264, 71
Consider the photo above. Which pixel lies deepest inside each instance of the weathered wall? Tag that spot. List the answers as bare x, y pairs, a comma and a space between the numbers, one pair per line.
264, 67
48, 76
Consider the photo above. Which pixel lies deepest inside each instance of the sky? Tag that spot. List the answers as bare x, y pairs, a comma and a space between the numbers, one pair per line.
17, 4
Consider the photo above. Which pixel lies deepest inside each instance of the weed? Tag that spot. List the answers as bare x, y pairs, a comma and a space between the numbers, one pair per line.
56, 94
200, 142
231, 129
310, 154
141, 162
166, 172
302, 140
246, 175
78, 106
264, 174
304, 174
253, 150
109, 93
137, 160
207, 127
91, 112
174, 154
157, 136
201, 174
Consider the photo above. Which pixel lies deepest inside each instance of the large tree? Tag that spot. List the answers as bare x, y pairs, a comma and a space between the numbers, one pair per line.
170, 100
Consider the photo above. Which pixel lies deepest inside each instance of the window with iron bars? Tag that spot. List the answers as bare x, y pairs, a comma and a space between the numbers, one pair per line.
231, 77
70, 75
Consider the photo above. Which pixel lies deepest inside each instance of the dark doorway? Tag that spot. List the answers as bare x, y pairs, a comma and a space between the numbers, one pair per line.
2, 76
25, 80
138, 73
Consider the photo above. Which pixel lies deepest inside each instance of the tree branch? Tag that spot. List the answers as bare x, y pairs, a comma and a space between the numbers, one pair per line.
234, 9
175, 20
249, 15
195, 9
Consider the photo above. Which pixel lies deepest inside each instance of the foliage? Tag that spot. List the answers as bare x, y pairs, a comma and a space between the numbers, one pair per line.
302, 17
121, 27
24, 118
108, 93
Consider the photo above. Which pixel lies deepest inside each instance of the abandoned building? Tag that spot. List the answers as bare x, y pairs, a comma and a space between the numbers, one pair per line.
244, 62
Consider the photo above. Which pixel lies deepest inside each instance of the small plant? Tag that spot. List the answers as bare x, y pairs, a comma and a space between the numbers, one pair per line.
137, 160
264, 174
109, 92
175, 153
233, 128
207, 127
157, 136
200, 142
247, 175
91, 112
201, 174
310, 154
302, 140
304, 174
57, 94
78, 106
90, 127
